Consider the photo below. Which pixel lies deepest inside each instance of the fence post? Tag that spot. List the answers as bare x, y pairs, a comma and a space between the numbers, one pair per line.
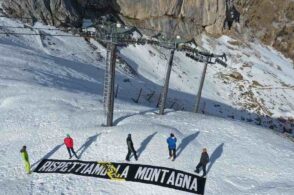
158, 102
116, 91
138, 98
173, 104
150, 96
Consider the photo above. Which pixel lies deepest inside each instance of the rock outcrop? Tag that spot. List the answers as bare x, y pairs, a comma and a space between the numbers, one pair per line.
272, 21
185, 17
53, 12
269, 20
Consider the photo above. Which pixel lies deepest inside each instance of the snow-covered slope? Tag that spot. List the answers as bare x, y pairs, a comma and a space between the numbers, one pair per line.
51, 86
261, 94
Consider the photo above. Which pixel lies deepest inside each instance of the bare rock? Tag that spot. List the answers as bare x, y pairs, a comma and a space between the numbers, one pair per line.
236, 75
53, 12
188, 18
274, 27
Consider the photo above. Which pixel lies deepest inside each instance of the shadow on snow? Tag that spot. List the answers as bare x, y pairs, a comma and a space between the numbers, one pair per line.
87, 144
48, 155
185, 142
216, 154
90, 80
144, 144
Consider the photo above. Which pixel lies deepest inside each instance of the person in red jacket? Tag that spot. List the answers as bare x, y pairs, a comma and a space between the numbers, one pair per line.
68, 141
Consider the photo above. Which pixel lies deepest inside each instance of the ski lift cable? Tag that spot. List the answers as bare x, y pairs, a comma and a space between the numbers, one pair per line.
40, 34
31, 27
130, 30
201, 57
137, 27
28, 27
30, 18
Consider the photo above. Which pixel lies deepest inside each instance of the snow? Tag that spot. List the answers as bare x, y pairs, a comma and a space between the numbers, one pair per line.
269, 68
263, 96
53, 86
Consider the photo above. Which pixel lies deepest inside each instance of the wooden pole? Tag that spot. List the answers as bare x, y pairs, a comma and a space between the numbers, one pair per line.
138, 98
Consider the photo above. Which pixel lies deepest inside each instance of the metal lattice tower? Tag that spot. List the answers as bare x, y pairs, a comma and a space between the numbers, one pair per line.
110, 33
118, 35
166, 83
106, 82
109, 81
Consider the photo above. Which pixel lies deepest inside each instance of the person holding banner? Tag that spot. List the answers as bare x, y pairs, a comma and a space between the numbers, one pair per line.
203, 162
25, 158
68, 141
171, 141
131, 148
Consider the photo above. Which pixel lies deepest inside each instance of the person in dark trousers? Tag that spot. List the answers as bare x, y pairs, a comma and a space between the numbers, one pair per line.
68, 141
172, 144
131, 148
25, 158
203, 162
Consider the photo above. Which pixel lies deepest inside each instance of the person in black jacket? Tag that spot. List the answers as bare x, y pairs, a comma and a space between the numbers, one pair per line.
131, 148
203, 162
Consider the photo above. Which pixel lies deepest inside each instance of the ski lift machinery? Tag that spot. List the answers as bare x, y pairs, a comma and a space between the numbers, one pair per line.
119, 35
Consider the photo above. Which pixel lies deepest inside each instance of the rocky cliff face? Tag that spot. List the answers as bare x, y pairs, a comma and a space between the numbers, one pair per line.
53, 12
269, 20
185, 17
272, 21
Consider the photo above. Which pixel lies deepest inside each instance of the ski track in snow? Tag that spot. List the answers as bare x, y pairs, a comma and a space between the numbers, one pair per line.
47, 93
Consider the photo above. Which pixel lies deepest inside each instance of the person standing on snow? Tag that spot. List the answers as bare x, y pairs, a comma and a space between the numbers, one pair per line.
171, 141
203, 162
131, 148
68, 141
25, 158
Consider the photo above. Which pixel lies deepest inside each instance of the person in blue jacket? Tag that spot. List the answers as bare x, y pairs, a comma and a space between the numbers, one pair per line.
171, 141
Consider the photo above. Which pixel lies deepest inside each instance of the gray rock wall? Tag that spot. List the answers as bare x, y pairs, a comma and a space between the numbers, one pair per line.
185, 17
53, 12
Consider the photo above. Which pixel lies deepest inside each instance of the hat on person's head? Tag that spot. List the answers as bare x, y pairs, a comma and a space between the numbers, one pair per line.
67, 135
129, 135
23, 149
204, 150
172, 135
